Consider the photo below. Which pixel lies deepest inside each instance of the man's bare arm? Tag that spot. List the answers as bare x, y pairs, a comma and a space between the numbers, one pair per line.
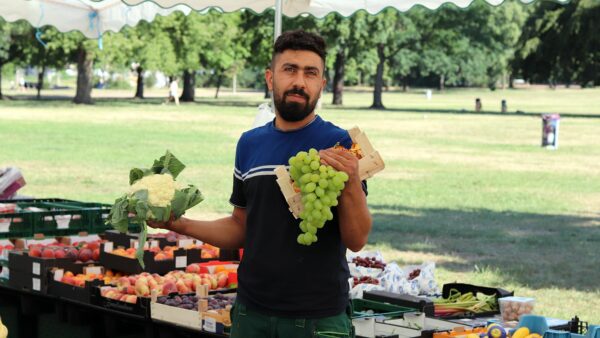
227, 233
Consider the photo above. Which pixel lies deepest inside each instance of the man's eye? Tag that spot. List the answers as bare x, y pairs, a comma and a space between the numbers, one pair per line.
289, 69
311, 73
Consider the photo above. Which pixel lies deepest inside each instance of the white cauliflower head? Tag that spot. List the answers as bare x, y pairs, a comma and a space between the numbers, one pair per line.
161, 188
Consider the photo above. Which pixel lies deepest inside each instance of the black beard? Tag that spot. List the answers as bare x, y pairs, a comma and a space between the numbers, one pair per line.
294, 111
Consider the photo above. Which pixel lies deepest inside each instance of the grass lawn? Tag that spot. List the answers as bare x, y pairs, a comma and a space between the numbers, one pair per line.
473, 192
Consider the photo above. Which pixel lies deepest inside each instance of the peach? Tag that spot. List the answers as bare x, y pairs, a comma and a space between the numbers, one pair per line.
131, 299
222, 280
72, 254
181, 287
168, 287
160, 257
193, 268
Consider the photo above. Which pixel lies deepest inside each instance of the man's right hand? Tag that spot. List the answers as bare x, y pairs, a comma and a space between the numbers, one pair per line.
168, 225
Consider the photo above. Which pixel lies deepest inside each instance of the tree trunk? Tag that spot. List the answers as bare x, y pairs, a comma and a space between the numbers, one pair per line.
1, 96
234, 84
338, 77
510, 81
40, 82
139, 90
442, 80
404, 83
377, 102
84, 77
219, 81
189, 87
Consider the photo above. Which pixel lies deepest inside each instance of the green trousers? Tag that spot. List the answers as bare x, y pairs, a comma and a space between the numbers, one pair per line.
250, 324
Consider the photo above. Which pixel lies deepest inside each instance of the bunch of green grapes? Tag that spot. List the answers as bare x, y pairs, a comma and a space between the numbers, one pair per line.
320, 186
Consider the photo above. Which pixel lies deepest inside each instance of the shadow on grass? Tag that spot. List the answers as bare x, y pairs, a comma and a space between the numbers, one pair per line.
55, 101
462, 112
538, 250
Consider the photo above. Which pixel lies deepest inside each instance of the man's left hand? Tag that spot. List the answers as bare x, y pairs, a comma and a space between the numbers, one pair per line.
341, 160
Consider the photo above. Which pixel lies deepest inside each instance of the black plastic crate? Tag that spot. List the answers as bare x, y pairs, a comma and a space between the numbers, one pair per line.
464, 288
131, 265
28, 282
72, 292
140, 308
421, 304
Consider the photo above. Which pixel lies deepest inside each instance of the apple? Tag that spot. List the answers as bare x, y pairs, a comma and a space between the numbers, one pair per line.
72, 254
35, 252
96, 254
47, 253
59, 253
85, 255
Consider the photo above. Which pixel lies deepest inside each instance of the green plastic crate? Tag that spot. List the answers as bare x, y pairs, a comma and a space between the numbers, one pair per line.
60, 218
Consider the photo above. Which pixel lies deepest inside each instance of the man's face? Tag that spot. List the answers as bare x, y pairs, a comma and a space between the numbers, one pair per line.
296, 79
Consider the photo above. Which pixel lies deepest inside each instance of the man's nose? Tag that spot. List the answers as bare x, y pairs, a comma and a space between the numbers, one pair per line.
299, 80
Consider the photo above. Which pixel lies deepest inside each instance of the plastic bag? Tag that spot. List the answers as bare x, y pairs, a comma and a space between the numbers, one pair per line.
264, 115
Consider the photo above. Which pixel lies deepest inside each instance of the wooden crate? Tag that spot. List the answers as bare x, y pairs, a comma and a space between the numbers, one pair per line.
370, 164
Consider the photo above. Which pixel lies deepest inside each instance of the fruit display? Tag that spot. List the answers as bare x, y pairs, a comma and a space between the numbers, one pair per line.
153, 195
414, 274
364, 280
320, 186
188, 302
159, 255
512, 308
369, 262
82, 252
80, 278
220, 301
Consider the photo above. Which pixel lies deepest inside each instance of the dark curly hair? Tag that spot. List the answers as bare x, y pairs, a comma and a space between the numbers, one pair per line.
300, 40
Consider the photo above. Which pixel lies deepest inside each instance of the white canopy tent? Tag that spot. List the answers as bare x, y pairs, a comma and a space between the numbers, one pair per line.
317, 8
92, 18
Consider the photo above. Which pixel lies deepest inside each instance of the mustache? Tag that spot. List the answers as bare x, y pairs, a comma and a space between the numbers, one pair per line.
296, 91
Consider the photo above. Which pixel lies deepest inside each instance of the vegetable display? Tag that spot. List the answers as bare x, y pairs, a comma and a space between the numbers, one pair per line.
153, 195
458, 303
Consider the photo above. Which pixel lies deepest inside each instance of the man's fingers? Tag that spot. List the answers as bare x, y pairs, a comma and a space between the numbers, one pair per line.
330, 160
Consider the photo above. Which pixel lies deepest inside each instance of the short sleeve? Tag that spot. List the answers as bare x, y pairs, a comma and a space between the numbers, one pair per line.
238, 198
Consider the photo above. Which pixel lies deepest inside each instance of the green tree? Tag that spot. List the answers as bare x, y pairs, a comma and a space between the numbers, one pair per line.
387, 33
561, 43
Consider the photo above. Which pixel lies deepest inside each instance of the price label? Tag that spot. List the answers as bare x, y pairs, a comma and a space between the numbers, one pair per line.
180, 261
154, 244
133, 243
96, 270
4, 224
210, 325
184, 243
108, 247
62, 221
35, 268
35, 284
58, 274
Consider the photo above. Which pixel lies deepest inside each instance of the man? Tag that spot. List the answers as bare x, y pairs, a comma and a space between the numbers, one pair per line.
286, 289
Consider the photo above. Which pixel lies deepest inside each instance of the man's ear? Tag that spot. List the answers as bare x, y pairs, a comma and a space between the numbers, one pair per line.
269, 78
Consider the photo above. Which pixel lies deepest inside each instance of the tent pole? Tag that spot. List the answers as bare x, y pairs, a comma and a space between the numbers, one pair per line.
278, 5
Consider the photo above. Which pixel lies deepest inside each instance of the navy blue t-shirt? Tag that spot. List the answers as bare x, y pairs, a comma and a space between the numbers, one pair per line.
277, 276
